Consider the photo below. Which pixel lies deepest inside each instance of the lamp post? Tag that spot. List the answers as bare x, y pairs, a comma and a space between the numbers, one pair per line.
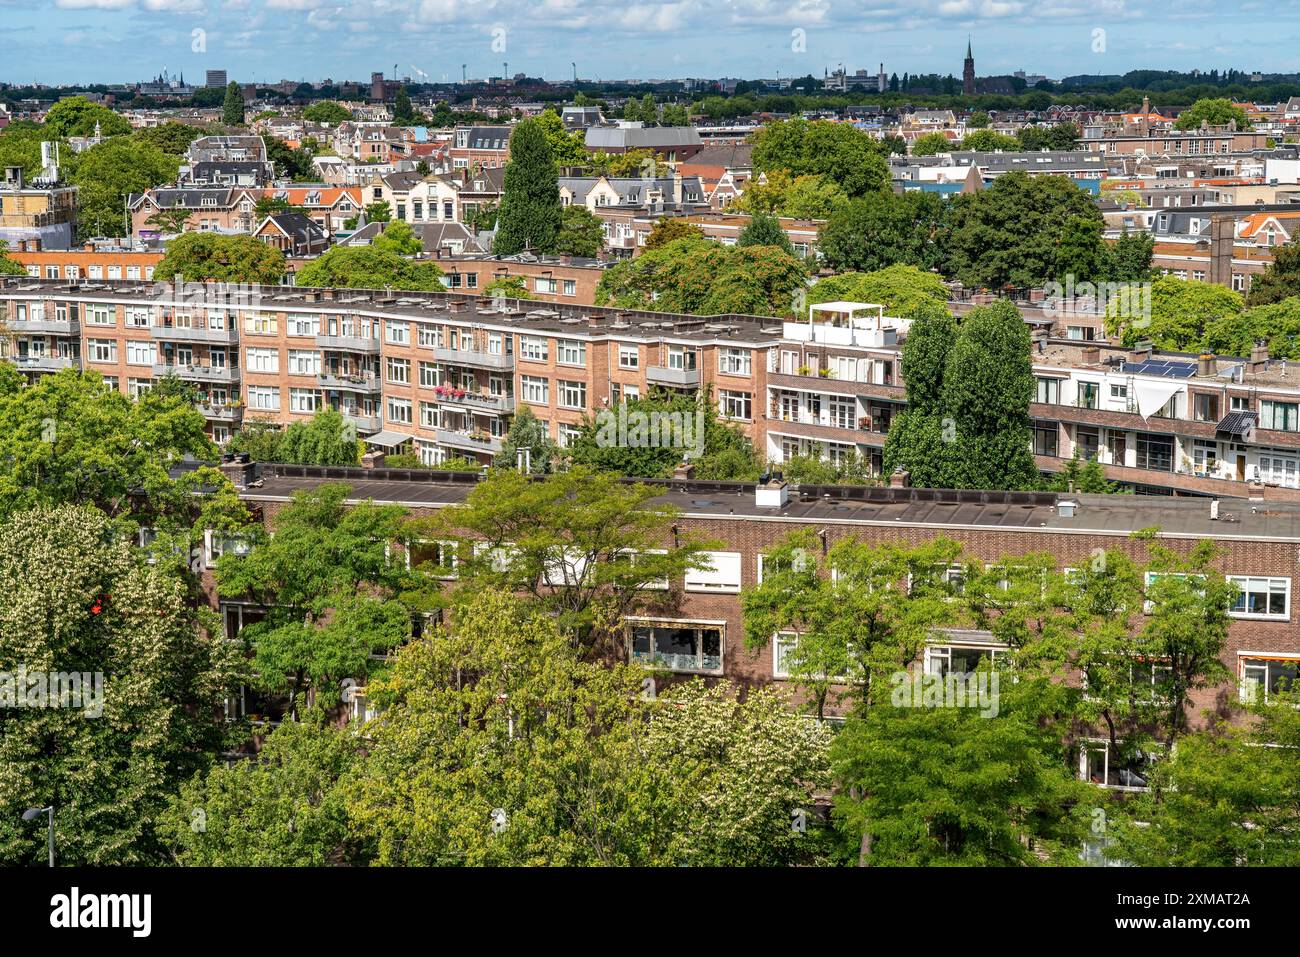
32, 813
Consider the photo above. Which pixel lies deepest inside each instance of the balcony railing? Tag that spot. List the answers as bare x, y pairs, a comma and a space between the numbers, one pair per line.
222, 412
56, 327
46, 363
504, 404
469, 441
474, 359
197, 373
675, 378
226, 336
349, 344
365, 424
348, 382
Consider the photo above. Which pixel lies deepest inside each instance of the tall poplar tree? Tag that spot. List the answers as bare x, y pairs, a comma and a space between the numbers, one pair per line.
530, 204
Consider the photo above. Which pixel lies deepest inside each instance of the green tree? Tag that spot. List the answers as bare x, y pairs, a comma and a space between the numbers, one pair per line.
80, 600
209, 257
527, 432
327, 111
1277, 324
581, 232
403, 114
325, 439
7, 266
530, 216
398, 237
842, 153
78, 116
107, 173
567, 148
1280, 278
328, 586
668, 229
170, 137
369, 267
765, 229
287, 808
883, 229
232, 108
69, 439
931, 144
1023, 231
899, 288
508, 287
1128, 259
1181, 312
1215, 112
978, 120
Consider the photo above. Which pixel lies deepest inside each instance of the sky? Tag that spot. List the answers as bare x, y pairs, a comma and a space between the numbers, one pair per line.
121, 41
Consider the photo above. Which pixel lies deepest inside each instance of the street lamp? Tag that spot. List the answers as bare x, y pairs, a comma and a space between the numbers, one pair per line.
32, 813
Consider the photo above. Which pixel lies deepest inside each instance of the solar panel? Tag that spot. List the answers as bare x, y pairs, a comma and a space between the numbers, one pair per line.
1162, 367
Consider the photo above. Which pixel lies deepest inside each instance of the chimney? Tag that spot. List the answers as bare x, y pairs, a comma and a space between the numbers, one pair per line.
771, 494
1141, 351
684, 472
1222, 235
900, 478
1090, 355
1259, 358
36, 245
1206, 365
1039, 337
89, 247
677, 188
372, 460
238, 468
1214, 509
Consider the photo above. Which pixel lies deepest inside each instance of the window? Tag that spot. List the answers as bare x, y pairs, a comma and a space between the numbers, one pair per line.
570, 352
141, 353
1045, 438
544, 285
677, 646
1205, 456
260, 325
303, 362
304, 400
264, 397
399, 411
721, 574
139, 317
735, 405
570, 287
1119, 392
629, 357
1088, 395
216, 544
100, 316
438, 559
784, 646
536, 389
1049, 391
573, 395
1275, 469
1261, 597
944, 660
1206, 407
263, 360
1281, 416
1087, 440
102, 350
1155, 452
430, 375
1099, 764
533, 348
399, 371
300, 325
733, 361
429, 415
398, 333
1273, 673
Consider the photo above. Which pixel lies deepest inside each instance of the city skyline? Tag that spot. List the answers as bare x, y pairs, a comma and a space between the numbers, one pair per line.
271, 40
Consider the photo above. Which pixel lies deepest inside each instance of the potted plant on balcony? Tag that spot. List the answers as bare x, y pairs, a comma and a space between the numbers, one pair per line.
805, 370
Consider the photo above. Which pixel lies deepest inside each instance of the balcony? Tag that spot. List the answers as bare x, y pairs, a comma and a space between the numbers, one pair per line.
368, 347
474, 359
46, 363
673, 378
470, 442
221, 413
54, 327
365, 424
349, 382
501, 404
197, 373
227, 336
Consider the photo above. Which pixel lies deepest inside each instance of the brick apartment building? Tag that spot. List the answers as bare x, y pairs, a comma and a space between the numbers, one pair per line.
442, 373
698, 627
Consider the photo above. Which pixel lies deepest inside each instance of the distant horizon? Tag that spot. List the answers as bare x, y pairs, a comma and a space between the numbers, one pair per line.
84, 42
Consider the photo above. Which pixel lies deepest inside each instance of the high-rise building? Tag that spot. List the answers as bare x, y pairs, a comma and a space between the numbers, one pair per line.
968, 72
216, 79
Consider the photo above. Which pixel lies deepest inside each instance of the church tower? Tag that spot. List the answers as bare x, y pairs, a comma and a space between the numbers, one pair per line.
968, 72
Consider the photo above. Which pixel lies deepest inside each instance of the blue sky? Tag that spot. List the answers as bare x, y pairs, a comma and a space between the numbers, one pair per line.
56, 41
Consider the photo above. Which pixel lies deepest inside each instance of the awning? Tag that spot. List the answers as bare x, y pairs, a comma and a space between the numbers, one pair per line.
387, 439
1152, 396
